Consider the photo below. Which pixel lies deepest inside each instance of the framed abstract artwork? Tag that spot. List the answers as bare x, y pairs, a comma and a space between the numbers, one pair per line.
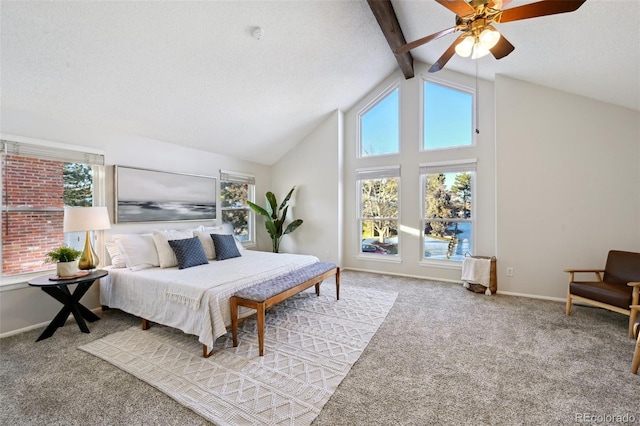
144, 195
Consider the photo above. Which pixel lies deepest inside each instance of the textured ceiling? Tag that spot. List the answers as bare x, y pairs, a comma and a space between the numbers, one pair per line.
191, 73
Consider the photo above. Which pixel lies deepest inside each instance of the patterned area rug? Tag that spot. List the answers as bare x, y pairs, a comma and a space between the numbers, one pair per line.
310, 345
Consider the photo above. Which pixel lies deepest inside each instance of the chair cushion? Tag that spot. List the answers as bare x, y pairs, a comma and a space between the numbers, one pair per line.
622, 267
613, 294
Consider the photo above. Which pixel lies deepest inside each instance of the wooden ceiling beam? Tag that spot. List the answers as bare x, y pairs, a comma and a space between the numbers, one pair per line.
388, 21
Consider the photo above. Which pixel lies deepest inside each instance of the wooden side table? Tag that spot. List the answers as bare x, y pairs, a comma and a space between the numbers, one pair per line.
59, 290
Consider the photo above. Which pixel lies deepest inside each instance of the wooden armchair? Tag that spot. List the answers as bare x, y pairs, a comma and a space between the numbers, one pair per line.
636, 330
617, 290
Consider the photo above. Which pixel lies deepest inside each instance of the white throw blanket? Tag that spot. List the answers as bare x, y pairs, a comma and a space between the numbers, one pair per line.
476, 271
190, 288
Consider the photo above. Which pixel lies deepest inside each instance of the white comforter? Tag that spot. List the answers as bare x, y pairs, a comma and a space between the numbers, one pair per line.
204, 309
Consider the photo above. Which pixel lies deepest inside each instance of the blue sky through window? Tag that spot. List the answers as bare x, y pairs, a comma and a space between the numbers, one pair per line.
448, 117
380, 127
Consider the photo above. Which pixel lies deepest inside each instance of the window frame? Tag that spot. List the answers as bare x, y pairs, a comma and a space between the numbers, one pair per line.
377, 173
368, 107
454, 166
453, 86
55, 151
240, 177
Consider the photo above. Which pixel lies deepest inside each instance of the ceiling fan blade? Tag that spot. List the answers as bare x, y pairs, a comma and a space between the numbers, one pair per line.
459, 7
502, 48
442, 61
541, 8
409, 46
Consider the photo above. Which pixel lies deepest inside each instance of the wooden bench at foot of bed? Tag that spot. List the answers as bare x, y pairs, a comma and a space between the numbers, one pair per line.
266, 294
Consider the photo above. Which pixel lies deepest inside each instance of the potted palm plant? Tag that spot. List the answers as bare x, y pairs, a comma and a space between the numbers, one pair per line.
65, 259
275, 217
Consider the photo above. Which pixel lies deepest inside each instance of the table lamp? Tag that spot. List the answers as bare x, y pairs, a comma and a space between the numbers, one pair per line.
86, 219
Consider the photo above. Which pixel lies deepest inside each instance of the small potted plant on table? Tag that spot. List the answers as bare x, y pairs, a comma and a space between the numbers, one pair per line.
65, 259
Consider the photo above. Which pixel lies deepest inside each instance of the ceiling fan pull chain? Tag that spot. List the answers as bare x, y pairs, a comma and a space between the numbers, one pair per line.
477, 100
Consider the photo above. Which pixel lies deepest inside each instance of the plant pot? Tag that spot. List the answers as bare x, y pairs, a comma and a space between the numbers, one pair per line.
67, 269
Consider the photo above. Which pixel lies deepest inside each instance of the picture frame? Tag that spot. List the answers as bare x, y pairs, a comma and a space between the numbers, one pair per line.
147, 195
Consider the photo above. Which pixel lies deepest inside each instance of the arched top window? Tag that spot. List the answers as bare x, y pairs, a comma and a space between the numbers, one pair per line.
379, 125
447, 117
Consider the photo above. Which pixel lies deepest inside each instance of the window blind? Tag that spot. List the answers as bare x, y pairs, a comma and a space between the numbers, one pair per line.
50, 153
236, 177
378, 173
448, 167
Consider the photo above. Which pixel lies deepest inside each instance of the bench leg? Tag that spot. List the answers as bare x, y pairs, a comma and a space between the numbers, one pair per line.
260, 315
145, 324
337, 283
317, 289
234, 321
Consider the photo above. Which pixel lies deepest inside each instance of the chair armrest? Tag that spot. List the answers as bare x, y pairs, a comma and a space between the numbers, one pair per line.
572, 272
634, 284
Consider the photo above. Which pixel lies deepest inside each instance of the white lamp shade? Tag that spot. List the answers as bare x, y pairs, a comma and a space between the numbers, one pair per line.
85, 219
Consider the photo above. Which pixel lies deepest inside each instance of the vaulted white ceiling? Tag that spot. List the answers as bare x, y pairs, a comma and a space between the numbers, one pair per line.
191, 73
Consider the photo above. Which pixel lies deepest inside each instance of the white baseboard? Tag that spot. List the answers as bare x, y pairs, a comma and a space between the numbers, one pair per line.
419, 277
42, 325
533, 296
459, 282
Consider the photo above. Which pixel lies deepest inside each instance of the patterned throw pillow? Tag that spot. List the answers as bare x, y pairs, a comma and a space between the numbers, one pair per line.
189, 252
117, 259
225, 246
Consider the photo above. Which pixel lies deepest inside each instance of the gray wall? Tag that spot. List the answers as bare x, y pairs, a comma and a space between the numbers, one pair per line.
568, 185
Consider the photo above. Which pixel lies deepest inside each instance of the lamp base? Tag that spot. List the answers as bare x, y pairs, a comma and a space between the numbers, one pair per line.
88, 259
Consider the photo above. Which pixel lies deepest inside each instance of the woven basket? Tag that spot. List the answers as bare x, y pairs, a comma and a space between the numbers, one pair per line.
493, 278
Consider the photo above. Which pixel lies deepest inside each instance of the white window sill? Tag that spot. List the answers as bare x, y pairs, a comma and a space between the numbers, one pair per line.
15, 282
379, 258
442, 264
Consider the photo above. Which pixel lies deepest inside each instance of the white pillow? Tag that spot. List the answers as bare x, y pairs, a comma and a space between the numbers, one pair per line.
207, 242
117, 259
229, 228
139, 250
161, 238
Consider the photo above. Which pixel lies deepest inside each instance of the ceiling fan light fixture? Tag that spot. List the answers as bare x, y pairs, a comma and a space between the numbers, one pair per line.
489, 38
465, 47
479, 51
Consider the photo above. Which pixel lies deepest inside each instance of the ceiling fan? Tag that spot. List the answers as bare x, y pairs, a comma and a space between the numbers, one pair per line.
475, 20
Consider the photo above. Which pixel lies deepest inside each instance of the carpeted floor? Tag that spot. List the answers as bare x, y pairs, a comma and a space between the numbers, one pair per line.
442, 356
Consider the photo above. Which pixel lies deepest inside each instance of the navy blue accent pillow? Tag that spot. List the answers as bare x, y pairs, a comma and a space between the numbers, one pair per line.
189, 252
225, 246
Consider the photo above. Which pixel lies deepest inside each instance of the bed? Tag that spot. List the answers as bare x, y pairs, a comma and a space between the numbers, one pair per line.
194, 299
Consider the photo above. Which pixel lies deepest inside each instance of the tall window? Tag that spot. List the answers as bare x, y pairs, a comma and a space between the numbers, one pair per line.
37, 182
448, 209
378, 191
235, 190
379, 126
448, 117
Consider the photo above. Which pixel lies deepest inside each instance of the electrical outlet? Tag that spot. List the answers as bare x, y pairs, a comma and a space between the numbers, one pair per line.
510, 271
